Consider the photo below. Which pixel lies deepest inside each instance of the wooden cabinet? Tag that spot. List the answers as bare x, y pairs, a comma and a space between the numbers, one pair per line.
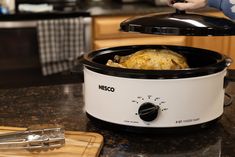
106, 34
219, 44
231, 51
140, 41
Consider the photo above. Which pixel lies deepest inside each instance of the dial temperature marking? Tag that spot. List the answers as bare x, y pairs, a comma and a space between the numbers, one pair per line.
139, 97
135, 101
157, 104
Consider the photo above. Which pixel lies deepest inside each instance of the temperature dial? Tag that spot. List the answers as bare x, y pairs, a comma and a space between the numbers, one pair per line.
148, 111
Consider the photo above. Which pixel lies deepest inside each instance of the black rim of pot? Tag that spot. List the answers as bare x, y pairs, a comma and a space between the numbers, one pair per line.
210, 62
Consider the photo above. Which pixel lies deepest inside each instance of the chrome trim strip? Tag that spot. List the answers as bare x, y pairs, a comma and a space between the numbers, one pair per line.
17, 24
88, 33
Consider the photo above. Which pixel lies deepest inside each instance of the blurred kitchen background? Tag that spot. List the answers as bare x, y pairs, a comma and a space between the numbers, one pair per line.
41, 41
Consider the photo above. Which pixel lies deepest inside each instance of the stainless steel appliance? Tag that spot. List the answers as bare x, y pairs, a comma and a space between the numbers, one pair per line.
20, 59
19, 44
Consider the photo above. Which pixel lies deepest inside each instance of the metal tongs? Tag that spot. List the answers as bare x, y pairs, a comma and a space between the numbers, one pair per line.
38, 139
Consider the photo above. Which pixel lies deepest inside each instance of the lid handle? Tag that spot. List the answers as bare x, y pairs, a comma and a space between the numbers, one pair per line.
177, 10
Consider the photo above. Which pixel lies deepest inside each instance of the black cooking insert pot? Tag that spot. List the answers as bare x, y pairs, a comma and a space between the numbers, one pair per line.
201, 62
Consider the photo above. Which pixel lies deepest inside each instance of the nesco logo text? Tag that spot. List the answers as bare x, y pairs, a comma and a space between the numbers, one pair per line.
106, 88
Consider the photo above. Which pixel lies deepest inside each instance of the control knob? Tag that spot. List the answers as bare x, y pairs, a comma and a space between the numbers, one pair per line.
148, 111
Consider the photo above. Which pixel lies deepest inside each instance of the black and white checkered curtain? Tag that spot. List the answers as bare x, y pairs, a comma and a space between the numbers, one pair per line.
61, 41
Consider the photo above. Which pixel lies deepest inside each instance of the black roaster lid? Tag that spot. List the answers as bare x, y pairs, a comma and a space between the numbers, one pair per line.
179, 23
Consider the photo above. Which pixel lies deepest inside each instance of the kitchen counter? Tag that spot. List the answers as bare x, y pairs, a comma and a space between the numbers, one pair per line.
111, 8
63, 104
103, 8
93, 8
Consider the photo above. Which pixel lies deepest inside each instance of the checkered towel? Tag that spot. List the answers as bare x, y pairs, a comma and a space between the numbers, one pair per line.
61, 41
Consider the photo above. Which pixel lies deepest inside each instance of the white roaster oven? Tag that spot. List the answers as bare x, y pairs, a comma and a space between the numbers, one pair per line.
154, 103
132, 99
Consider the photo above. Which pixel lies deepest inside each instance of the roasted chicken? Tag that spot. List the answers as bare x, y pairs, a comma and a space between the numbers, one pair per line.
150, 59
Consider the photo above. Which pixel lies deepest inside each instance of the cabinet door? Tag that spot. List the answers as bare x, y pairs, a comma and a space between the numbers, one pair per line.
219, 44
232, 51
158, 40
223, 45
108, 28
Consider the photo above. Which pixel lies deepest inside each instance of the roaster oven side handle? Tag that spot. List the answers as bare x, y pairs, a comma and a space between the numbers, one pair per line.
227, 79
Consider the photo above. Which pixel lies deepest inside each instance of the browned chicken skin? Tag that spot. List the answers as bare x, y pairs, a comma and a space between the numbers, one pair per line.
150, 59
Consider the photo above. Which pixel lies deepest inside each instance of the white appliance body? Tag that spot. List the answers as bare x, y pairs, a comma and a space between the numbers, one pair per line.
180, 102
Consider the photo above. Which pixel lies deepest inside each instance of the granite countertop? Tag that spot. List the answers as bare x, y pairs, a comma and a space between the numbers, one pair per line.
63, 105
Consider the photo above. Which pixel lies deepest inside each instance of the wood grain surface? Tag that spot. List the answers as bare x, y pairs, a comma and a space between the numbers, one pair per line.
77, 144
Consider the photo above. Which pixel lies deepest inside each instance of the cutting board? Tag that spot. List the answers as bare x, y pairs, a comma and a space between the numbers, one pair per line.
77, 144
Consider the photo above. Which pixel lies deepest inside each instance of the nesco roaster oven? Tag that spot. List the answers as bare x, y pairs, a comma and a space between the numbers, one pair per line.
159, 100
